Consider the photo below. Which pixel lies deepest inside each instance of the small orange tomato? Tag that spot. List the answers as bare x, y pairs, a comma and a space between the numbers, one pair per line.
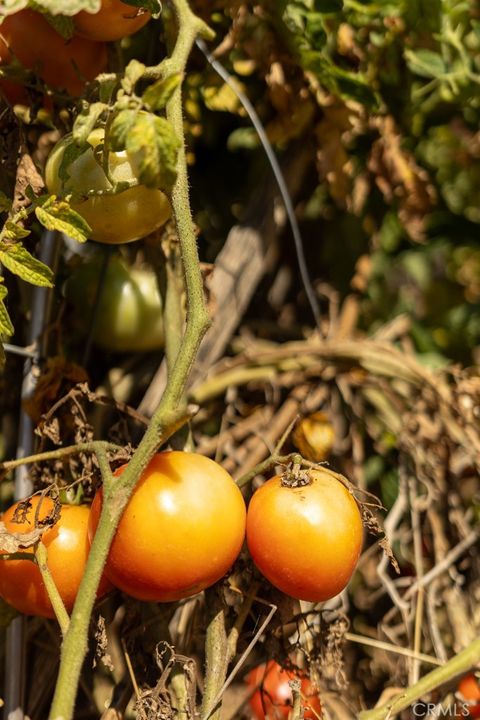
113, 21
181, 531
314, 436
63, 64
469, 692
272, 698
306, 540
21, 583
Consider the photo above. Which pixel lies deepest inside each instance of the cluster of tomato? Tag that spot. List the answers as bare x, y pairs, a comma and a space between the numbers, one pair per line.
182, 530
64, 65
184, 527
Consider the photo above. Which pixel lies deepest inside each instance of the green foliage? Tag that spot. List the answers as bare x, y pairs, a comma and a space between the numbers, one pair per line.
159, 93
307, 29
71, 7
449, 150
151, 146
57, 215
155, 6
19, 261
86, 121
387, 93
6, 327
54, 7
133, 73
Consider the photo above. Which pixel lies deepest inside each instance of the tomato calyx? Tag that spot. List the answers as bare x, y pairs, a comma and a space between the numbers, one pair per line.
295, 476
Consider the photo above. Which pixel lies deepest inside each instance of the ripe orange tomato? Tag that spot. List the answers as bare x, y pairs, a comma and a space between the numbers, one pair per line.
273, 696
14, 93
113, 21
182, 529
63, 64
67, 545
305, 540
469, 691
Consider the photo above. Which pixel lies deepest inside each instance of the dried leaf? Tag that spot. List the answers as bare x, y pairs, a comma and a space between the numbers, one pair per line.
15, 542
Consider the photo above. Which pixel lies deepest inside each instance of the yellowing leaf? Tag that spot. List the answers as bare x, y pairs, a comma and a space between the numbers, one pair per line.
222, 98
19, 261
58, 215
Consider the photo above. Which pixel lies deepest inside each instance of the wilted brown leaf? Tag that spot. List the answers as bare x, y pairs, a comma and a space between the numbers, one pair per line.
59, 375
400, 179
332, 156
14, 542
27, 174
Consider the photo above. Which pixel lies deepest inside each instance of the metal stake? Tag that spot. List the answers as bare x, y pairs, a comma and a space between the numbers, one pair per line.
15, 636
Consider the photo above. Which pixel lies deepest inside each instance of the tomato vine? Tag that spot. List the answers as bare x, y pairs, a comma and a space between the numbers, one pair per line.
170, 414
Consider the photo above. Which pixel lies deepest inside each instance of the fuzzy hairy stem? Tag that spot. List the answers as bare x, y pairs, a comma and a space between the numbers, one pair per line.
216, 651
41, 556
171, 412
95, 446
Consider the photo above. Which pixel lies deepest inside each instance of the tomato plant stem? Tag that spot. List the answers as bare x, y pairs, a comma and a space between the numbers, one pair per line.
459, 664
95, 446
216, 652
171, 412
61, 614
174, 316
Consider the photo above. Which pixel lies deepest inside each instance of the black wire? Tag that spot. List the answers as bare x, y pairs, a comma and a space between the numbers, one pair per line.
282, 186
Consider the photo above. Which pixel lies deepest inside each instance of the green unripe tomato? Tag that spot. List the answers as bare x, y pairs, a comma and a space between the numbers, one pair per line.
129, 314
120, 218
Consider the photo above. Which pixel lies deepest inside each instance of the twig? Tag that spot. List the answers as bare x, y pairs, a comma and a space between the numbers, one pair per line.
456, 666
94, 447
418, 554
265, 465
388, 647
52, 591
244, 655
441, 567
216, 654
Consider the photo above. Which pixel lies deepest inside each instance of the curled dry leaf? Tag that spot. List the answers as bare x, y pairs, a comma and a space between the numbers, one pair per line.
400, 179
27, 175
15, 542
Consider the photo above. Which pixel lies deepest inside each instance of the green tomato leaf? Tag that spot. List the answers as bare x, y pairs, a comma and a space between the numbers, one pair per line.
19, 261
243, 138
425, 63
12, 6
64, 7
348, 85
14, 231
61, 24
6, 327
120, 128
152, 148
71, 153
86, 121
58, 215
107, 85
133, 72
157, 95
155, 6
